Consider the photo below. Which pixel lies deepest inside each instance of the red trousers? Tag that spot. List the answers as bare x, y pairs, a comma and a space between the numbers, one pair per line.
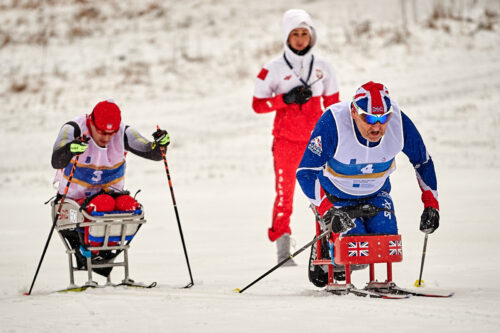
287, 155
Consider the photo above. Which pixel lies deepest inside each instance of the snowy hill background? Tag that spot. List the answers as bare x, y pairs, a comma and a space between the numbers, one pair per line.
190, 67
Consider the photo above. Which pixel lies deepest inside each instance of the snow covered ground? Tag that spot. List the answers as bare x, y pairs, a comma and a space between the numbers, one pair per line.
190, 66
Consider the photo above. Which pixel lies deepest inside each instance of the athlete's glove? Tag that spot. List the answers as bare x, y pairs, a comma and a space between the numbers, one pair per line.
338, 221
161, 138
79, 146
429, 221
300, 95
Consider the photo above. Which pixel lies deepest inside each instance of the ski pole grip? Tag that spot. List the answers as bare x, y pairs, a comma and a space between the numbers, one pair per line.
157, 137
159, 133
84, 138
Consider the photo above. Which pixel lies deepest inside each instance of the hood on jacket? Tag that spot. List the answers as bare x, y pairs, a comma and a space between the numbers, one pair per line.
297, 18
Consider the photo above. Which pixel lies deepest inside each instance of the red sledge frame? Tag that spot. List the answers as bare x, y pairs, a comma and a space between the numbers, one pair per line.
360, 250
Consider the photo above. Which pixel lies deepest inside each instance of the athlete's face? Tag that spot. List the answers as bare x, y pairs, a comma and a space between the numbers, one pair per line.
100, 137
372, 133
299, 38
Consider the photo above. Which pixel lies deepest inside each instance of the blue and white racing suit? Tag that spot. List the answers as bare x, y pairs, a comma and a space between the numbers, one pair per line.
342, 165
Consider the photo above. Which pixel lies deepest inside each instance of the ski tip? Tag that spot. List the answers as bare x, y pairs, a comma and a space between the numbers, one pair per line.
237, 290
443, 295
26, 294
438, 295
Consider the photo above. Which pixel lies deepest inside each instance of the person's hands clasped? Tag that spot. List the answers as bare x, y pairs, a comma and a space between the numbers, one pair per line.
299, 95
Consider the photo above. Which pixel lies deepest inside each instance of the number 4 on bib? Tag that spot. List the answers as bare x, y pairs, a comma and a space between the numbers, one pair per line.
367, 169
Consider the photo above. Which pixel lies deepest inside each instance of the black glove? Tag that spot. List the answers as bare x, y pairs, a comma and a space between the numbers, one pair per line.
338, 221
429, 220
300, 95
161, 138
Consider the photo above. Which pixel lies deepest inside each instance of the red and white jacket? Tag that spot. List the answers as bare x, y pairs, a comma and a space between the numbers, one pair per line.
295, 122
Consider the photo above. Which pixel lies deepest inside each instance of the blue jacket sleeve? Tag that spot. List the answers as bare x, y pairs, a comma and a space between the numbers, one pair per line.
320, 149
419, 157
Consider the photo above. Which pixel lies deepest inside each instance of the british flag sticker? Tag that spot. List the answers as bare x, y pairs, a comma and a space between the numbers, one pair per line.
395, 248
358, 249
316, 146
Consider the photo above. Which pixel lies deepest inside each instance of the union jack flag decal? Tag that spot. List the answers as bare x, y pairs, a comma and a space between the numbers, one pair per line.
395, 248
358, 249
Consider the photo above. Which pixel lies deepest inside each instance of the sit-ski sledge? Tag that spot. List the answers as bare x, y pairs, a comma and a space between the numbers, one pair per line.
358, 251
362, 250
96, 233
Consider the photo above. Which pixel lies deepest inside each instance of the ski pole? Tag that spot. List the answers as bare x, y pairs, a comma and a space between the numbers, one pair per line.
419, 282
56, 217
237, 290
162, 149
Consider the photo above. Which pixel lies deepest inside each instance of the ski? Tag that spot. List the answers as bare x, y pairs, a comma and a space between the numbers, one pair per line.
85, 287
76, 289
401, 291
137, 285
350, 289
392, 289
375, 294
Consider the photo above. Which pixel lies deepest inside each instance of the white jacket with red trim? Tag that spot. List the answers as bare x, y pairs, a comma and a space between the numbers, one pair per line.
295, 122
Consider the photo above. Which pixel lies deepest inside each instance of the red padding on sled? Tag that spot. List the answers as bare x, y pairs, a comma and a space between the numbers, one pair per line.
101, 203
126, 203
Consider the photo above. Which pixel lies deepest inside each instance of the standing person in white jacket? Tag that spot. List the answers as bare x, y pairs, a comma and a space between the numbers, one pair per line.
297, 85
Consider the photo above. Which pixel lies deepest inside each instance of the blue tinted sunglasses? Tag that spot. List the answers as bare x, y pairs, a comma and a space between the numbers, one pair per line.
372, 118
